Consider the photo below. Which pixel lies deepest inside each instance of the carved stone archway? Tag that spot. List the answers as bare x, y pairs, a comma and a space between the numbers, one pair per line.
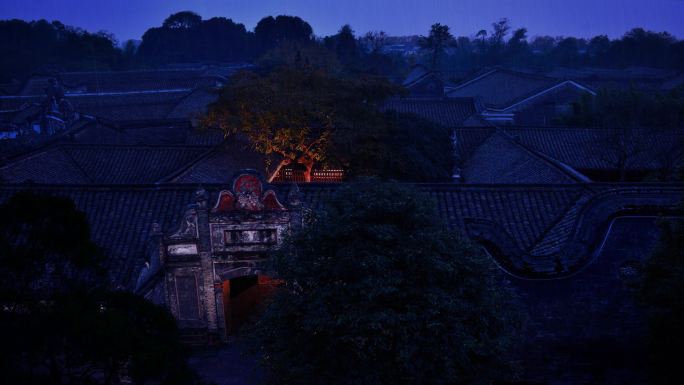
221, 237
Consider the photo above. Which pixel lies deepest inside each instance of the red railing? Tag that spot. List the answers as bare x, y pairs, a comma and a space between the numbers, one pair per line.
317, 176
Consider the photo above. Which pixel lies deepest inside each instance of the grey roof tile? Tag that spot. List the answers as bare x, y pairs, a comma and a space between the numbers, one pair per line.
500, 88
100, 164
500, 160
446, 112
600, 148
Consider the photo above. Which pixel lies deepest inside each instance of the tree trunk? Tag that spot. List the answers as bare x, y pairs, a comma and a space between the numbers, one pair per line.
307, 173
275, 172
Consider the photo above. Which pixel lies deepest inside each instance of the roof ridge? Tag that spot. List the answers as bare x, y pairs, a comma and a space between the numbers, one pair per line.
178, 172
553, 84
582, 199
51, 142
191, 69
476, 76
78, 165
597, 128
183, 98
141, 146
567, 170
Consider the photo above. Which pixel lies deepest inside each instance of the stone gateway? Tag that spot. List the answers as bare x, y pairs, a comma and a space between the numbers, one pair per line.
213, 270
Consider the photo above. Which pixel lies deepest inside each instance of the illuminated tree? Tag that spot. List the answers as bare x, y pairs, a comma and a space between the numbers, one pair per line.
291, 115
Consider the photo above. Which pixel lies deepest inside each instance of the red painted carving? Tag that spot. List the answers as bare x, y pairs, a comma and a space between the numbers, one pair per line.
247, 183
226, 202
247, 190
270, 201
247, 195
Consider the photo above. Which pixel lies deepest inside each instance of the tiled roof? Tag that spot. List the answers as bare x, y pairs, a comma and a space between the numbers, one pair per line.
629, 73
538, 219
118, 81
447, 112
416, 73
11, 149
501, 160
16, 103
468, 139
220, 164
171, 104
121, 217
640, 78
193, 105
134, 106
500, 88
523, 211
106, 164
599, 148
148, 133
49, 166
11, 88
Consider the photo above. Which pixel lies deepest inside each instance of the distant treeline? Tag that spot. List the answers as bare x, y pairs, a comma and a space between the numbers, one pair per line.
504, 46
184, 37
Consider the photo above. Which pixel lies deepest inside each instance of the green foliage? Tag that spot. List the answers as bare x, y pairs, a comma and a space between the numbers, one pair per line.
437, 42
344, 44
302, 55
630, 109
292, 115
379, 293
305, 116
662, 294
45, 248
40, 46
184, 19
397, 146
271, 31
59, 323
185, 37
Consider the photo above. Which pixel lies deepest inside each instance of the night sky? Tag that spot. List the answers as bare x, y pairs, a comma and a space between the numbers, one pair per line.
584, 18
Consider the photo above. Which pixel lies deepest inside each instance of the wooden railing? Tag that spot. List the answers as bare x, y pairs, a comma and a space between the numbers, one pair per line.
317, 176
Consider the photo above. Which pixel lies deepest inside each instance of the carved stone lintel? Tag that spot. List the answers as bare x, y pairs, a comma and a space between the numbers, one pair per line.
182, 249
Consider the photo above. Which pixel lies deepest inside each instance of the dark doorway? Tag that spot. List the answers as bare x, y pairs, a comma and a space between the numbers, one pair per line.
242, 298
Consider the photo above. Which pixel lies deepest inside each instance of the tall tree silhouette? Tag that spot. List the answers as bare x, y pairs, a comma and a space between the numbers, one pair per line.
437, 42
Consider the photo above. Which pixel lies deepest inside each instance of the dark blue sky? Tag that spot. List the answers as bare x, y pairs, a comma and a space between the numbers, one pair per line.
130, 18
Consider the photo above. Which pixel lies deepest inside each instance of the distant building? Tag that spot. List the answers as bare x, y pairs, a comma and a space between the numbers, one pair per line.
513, 97
562, 155
643, 79
400, 49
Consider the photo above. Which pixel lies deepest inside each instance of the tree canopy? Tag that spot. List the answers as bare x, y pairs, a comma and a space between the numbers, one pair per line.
185, 37
270, 31
437, 41
629, 109
377, 292
42, 46
184, 20
299, 116
60, 323
662, 294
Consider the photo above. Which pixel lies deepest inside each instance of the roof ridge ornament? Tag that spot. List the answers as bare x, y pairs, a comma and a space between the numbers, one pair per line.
247, 194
